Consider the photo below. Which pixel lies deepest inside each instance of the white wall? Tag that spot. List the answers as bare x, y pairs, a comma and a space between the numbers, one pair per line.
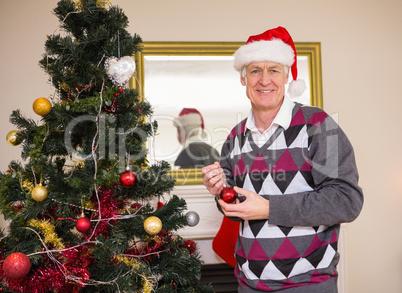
361, 41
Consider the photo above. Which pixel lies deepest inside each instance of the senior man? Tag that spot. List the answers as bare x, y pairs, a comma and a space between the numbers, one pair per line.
295, 174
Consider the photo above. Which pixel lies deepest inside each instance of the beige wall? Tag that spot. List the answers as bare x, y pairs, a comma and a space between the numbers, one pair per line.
361, 45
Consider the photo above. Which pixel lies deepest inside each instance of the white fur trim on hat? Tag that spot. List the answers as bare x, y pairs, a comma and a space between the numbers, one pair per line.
275, 51
191, 120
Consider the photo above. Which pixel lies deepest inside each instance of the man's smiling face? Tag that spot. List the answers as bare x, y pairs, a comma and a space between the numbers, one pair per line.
265, 84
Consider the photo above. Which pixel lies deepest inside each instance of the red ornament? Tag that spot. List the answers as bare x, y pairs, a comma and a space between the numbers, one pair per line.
17, 265
159, 205
83, 224
228, 194
127, 178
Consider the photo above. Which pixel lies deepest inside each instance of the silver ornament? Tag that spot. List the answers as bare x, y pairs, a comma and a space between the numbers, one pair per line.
120, 70
192, 218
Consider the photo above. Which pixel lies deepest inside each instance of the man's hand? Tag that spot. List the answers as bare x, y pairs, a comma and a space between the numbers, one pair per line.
214, 178
254, 207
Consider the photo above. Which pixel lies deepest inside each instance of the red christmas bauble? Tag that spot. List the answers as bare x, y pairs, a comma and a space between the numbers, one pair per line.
17, 265
127, 179
228, 194
83, 224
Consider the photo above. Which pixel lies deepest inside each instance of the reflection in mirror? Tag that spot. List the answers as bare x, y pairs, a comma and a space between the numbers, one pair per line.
201, 76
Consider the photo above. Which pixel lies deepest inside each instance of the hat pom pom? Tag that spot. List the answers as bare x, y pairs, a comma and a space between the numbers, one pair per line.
296, 88
203, 135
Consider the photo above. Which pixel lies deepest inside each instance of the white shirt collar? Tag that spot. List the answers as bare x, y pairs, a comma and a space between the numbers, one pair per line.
283, 117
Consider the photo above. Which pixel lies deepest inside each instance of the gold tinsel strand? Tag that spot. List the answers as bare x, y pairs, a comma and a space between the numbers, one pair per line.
147, 281
48, 231
147, 284
145, 167
27, 186
130, 262
103, 3
89, 205
64, 86
100, 3
79, 165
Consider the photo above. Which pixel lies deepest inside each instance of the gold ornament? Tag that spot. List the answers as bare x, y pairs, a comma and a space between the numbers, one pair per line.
42, 106
152, 225
39, 193
12, 137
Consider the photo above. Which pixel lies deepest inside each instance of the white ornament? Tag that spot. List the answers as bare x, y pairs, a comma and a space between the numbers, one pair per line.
120, 70
192, 218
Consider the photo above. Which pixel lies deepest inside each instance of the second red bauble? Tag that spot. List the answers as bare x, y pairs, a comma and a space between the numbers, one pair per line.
228, 194
127, 179
83, 224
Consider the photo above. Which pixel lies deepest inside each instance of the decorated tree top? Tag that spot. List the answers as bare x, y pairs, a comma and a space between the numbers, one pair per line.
75, 62
87, 211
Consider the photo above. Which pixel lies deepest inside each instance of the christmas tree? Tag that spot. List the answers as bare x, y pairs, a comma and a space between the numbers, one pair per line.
87, 211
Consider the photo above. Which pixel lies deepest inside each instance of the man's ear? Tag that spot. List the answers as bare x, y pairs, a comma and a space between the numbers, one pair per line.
243, 80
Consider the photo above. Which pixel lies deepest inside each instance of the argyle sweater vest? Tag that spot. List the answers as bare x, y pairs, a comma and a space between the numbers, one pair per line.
271, 257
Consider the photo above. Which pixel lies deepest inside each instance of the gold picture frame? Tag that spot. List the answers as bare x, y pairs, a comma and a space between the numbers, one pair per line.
311, 50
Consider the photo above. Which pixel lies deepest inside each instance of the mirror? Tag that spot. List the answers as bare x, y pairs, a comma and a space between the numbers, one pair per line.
177, 75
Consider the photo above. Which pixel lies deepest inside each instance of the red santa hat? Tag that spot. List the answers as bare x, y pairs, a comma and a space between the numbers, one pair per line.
189, 118
275, 45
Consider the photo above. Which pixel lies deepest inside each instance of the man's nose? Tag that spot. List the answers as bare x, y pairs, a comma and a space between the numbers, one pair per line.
265, 78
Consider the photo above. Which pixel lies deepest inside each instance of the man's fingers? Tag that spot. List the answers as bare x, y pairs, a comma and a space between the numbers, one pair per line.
212, 172
207, 169
213, 177
241, 191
